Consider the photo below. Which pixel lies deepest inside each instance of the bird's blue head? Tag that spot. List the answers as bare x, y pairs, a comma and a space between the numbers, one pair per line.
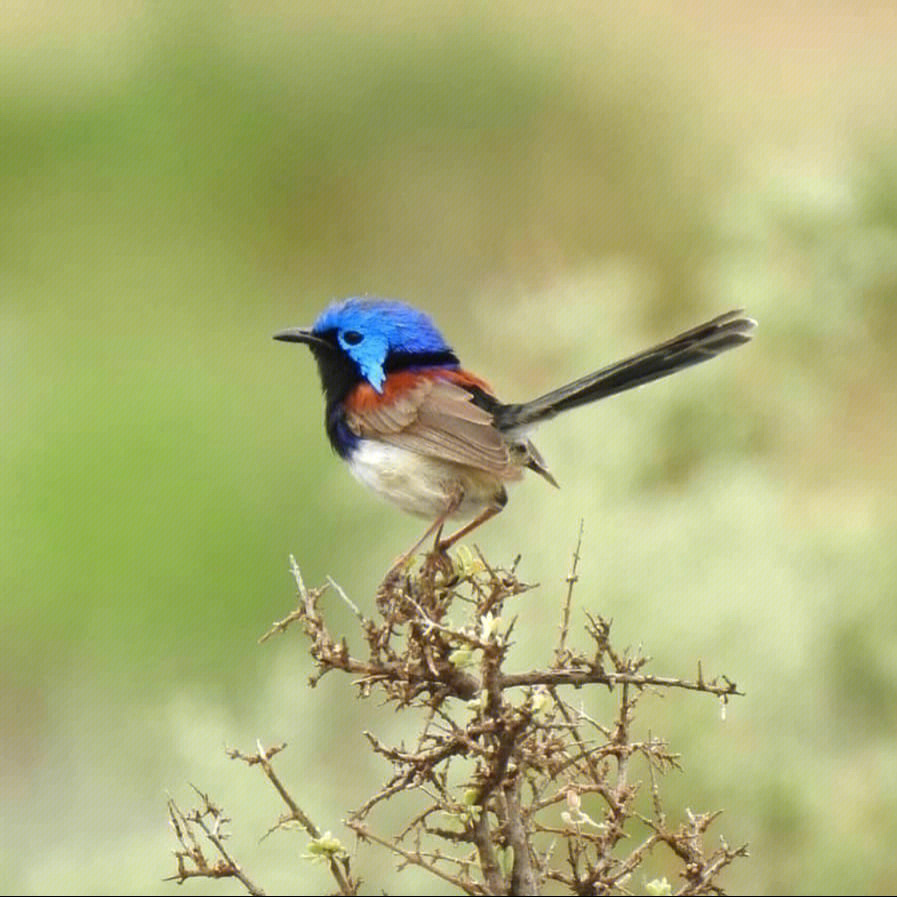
380, 334
364, 339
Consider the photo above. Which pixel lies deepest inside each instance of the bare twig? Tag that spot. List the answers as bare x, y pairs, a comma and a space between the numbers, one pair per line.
416, 859
339, 866
578, 678
572, 579
191, 861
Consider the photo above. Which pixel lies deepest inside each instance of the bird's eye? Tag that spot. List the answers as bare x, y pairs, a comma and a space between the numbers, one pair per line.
353, 337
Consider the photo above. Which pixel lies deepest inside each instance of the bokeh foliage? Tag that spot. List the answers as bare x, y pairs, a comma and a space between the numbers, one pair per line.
180, 180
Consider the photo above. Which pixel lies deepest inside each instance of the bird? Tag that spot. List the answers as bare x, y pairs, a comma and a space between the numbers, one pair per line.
431, 436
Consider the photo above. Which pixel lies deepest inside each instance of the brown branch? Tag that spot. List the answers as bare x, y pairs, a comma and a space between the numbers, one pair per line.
572, 578
499, 765
414, 858
482, 838
578, 678
523, 875
182, 824
262, 758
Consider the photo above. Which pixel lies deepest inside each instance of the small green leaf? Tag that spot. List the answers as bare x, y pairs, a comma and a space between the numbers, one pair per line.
325, 848
658, 886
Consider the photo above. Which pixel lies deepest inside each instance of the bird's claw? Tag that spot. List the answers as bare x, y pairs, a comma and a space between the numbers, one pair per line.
439, 561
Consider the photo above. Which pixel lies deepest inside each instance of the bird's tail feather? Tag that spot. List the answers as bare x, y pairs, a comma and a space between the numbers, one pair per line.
692, 347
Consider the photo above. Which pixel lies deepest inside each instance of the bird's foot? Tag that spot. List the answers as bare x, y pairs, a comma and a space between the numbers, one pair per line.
438, 561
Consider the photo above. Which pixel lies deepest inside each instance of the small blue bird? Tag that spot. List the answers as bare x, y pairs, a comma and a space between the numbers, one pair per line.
432, 437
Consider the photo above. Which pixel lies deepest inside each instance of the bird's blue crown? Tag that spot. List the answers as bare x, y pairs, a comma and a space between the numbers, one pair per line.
373, 332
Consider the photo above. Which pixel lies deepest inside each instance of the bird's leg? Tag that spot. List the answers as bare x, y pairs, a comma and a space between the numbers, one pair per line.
435, 527
480, 519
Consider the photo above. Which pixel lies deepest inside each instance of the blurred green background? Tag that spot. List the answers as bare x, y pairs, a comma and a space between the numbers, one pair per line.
558, 184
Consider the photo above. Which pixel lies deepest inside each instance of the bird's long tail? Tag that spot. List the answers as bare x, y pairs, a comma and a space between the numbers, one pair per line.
692, 347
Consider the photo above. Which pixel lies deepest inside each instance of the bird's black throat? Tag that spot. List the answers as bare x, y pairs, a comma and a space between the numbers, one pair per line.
340, 375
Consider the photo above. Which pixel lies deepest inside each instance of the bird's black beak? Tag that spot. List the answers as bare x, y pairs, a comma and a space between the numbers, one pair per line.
299, 335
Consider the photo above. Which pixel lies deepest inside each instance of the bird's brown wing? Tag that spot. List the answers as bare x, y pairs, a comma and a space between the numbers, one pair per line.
431, 416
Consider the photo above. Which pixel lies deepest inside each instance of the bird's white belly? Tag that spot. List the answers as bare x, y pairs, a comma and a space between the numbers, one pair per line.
421, 484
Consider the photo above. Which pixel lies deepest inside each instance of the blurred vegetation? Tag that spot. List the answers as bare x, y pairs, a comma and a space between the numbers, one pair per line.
557, 186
